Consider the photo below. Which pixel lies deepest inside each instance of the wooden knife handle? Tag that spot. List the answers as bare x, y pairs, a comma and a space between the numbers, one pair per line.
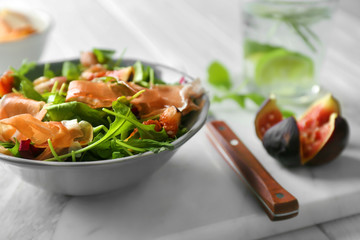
277, 202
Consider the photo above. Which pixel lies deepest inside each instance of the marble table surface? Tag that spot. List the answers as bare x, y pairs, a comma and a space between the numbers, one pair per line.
195, 195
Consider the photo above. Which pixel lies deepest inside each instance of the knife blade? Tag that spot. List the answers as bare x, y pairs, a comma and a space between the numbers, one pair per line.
277, 202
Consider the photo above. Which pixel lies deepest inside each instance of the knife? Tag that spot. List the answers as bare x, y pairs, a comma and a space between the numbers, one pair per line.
278, 203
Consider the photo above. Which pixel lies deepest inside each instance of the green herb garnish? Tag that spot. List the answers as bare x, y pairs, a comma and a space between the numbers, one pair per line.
219, 78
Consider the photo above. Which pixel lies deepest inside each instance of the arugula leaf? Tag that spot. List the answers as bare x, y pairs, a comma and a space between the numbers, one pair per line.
27, 89
145, 76
219, 76
54, 98
23, 84
149, 144
48, 72
121, 106
7, 144
145, 131
70, 70
75, 110
115, 148
117, 155
25, 67
103, 55
15, 149
139, 75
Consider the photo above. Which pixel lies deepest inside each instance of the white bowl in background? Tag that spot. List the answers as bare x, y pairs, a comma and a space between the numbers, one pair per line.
31, 47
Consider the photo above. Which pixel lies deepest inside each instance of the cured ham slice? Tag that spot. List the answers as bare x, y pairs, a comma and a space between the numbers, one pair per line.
97, 94
97, 71
155, 100
14, 103
62, 134
44, 84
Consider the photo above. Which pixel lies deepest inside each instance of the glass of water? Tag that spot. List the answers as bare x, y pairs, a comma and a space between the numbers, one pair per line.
284, 46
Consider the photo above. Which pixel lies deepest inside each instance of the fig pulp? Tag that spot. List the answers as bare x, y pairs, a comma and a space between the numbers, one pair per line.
268, 115
317, 137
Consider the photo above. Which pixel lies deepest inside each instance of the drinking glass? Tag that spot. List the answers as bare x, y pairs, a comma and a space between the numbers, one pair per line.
284, 46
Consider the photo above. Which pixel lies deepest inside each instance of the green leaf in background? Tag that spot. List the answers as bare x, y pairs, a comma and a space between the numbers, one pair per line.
287, 113
218, 76
70, 70
103, 55
240, 98
256, 98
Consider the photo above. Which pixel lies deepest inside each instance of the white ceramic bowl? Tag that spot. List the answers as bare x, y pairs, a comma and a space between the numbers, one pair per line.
86, 178
31, 47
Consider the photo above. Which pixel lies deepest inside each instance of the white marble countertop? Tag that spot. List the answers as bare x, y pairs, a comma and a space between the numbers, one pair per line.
189, 35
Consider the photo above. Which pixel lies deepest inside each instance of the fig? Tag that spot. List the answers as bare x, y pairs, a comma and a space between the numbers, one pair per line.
317, 137
317, 125
267, 116
333, 145
282, 141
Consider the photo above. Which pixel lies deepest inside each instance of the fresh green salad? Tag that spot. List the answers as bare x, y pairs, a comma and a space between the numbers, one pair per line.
92, 109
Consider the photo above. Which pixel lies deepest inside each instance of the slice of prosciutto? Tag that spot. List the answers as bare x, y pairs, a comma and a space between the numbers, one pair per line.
158, 98
153, 101
15, 103
97, 94
62, 134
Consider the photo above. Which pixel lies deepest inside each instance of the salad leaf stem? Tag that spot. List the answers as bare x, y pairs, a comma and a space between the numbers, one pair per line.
119, 61
73, 157
53, 89
53, 151
99, 128
122, 143
62, 88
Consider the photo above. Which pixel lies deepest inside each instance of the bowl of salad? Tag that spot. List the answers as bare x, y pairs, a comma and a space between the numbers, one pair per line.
94, 124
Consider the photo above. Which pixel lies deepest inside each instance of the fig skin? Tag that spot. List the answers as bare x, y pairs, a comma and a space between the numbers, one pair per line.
282, 142
335, 144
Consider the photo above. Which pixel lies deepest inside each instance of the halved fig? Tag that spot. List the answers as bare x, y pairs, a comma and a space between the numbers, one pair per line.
268, 115
332, 144
282, 141
319, 136
316, 126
